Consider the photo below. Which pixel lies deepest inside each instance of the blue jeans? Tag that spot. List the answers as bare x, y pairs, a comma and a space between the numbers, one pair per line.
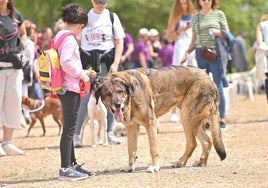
83, 108
214, 68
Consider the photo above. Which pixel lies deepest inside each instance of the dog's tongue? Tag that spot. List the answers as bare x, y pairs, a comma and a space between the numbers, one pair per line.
118, 114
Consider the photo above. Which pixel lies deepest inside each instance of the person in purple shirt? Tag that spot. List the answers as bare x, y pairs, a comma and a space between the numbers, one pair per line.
141, 52
128, 49
165, 54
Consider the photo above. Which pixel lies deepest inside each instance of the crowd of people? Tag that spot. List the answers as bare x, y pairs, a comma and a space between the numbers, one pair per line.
190, 29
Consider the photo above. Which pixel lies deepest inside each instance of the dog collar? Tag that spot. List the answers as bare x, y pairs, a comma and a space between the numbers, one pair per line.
35, 104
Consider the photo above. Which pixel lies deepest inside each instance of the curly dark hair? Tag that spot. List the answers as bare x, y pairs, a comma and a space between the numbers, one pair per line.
74, 14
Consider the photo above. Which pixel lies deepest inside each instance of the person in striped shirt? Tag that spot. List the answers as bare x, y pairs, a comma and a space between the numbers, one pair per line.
206, 25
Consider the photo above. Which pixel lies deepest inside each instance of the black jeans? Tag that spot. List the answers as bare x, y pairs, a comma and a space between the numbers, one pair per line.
70, 102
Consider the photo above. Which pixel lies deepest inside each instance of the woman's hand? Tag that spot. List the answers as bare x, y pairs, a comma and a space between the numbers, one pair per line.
184, 58
183, 28
215, 32
91, 73
114, 67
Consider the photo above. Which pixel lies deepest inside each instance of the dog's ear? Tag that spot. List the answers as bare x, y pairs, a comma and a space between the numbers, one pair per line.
23, 99
28, 101
97, 94
129, 89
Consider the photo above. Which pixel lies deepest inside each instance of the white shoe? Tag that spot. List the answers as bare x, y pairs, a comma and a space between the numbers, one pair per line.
10, 149
112, 139
2, 152
174, 117
77, 141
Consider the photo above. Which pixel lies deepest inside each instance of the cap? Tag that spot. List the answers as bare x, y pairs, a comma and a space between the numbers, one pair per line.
143, 31
100, 1
153, 32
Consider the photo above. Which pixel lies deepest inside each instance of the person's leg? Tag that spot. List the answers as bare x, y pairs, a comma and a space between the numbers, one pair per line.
214, 69
26, 114
39, 94
81, 114
70, 170
8, 133
266, 85
82, 111
12, 109
70, 104
173, 115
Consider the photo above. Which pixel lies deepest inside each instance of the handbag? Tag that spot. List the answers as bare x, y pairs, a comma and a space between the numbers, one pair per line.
16, 55
208, 54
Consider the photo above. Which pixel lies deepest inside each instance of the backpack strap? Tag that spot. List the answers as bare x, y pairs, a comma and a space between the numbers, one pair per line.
112, 19
61, 38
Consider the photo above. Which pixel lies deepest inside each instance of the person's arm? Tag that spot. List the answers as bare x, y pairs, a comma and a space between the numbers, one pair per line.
142, 60
22, 34
259, 36
151, 49
217, 32
190, 48
174, 34
117, 54
130, 49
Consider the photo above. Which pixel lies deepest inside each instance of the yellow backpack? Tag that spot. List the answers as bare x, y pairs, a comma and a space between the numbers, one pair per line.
51, 74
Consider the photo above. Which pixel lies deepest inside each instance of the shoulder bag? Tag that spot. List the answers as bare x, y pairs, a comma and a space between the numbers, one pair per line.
16, 56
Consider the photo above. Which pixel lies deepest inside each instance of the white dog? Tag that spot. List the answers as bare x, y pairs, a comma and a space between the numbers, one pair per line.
97, 112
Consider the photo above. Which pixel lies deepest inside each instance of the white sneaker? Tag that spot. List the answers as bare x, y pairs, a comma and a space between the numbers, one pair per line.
174, 117
10, 149
112, 139
77, 141
2, 152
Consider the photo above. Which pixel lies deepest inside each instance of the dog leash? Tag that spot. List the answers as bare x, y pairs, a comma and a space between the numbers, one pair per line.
34, 108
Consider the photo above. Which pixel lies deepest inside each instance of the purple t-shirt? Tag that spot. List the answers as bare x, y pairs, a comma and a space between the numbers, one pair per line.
140, 47
166, 54
127, 40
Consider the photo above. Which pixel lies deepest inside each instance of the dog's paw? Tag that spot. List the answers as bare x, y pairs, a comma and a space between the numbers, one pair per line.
177, 164
106, 144
93, 146
199, 164
100, 142
153, 169
128, 169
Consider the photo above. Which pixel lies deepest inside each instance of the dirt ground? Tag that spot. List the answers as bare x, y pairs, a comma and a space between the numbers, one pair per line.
245, 140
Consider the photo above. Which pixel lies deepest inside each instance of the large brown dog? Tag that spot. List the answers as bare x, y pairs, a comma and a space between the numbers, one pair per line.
52, 107
137, 97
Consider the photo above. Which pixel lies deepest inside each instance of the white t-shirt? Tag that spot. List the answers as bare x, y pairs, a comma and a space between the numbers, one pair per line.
98, 34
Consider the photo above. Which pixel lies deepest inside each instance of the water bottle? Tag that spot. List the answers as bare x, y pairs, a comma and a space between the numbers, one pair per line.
84, 88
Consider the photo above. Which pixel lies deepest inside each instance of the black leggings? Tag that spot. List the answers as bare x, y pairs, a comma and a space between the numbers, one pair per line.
70, 102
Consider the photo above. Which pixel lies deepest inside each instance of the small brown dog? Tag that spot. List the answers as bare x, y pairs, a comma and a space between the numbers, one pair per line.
52, 107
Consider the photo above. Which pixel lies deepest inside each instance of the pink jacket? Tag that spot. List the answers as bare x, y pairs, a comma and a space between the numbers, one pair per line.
70, 62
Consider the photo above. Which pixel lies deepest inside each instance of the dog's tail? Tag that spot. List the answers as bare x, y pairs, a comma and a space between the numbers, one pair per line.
216, 136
